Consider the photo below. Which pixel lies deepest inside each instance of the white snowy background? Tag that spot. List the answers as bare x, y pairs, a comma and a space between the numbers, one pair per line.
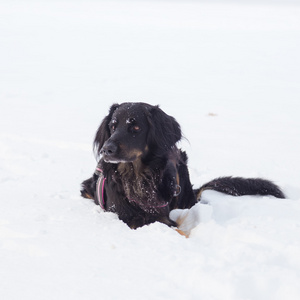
229, 72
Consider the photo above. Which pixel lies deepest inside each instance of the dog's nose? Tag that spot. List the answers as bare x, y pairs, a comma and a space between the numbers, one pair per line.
109, 148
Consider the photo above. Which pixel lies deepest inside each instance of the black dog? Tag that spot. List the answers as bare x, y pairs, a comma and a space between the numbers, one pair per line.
142, 175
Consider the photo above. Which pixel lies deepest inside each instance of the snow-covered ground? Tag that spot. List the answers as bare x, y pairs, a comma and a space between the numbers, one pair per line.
229, 72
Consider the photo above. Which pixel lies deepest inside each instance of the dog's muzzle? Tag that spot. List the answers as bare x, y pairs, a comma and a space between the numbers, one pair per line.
109, 149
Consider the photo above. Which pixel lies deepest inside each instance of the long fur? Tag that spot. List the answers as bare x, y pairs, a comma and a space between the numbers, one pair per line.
146, 174
238, 186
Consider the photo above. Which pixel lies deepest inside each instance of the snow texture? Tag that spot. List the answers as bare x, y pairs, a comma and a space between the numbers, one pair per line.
229, 72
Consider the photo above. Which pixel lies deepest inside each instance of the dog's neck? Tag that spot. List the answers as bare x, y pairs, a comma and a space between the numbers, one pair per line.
131, 168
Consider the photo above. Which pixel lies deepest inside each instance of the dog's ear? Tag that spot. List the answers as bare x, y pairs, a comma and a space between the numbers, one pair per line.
103, 132
164, 131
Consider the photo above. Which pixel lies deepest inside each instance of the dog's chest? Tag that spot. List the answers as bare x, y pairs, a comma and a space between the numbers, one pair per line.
141, 188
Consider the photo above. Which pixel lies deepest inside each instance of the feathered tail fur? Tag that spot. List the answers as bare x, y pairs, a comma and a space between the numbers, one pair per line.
238, 186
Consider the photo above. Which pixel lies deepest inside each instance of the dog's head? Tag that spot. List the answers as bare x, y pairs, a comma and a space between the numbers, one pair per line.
133, 130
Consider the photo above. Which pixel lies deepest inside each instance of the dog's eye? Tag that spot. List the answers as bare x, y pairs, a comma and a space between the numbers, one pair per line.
113, 125
136, 128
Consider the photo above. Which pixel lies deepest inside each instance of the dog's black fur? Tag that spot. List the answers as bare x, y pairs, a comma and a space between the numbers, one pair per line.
146, 174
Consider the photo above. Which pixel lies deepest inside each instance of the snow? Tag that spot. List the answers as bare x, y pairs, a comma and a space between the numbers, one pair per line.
227, 71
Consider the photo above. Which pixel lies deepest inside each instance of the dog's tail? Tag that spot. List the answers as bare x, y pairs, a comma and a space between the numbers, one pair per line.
238, 186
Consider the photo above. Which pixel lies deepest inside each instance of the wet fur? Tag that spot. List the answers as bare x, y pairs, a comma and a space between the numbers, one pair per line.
143, 166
